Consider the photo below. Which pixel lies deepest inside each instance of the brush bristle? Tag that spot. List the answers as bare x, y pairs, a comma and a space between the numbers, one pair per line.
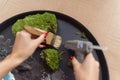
57, 42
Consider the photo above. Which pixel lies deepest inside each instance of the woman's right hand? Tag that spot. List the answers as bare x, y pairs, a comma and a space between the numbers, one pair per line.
88, 70
25, 46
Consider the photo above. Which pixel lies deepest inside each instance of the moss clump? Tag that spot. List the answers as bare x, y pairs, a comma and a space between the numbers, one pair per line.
46, 21
51, 57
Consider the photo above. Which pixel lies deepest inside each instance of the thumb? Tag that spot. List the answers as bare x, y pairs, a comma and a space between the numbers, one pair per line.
40, 39
76, 64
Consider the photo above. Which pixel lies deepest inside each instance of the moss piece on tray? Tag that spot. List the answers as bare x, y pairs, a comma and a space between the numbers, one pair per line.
51, 57
46, 21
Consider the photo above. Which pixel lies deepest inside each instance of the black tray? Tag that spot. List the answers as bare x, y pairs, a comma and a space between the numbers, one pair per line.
67, 27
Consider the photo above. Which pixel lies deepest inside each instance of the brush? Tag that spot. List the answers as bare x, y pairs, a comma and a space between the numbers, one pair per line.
51, 39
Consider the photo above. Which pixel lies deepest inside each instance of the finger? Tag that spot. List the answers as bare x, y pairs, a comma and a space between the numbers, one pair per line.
40, 39
17, 33
25, 33
97, 64
76, 64
89, 58
41, 46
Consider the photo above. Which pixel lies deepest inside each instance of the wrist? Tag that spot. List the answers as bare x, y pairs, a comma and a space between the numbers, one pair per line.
8, 64
14, 59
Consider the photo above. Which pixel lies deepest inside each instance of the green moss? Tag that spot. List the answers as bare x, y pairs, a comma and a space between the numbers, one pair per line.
17, 26
52, 58
46, 21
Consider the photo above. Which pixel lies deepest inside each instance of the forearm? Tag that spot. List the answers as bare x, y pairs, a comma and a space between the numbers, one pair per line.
9, 63
23, 40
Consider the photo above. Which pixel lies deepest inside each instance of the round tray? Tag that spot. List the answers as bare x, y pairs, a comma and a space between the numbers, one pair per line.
67, 27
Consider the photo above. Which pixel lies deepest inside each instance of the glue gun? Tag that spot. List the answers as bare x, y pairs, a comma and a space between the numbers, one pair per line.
82, 48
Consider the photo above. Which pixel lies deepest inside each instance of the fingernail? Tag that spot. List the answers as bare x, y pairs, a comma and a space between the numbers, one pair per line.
71, 58
46, 34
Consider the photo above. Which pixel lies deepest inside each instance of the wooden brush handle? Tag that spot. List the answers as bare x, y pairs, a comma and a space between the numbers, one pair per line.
34, 31
37, 32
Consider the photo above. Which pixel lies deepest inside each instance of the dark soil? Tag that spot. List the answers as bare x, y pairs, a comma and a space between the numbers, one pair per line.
31, 69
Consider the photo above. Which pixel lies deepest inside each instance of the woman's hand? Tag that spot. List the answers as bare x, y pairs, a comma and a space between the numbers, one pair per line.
25, 46
88, 70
